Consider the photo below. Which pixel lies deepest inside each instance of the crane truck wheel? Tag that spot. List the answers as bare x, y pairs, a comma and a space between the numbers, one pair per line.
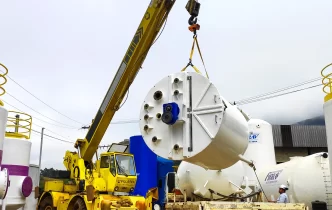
79, 204
46, 204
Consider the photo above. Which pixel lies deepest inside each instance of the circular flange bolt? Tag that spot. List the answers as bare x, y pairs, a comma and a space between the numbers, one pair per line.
27, 186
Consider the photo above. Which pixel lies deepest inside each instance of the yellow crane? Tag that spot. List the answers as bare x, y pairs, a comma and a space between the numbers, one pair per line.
94, 186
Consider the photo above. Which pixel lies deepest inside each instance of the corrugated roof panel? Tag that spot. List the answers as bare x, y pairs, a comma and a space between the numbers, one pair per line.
309, 136
277, 140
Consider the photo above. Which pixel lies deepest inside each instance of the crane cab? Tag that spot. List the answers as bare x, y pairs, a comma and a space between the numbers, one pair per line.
118, 171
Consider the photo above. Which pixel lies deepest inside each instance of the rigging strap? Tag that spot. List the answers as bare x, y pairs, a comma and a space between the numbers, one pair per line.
195, 41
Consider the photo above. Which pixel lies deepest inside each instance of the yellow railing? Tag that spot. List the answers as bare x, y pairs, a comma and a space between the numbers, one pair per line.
4, 79
18, 125
327, 82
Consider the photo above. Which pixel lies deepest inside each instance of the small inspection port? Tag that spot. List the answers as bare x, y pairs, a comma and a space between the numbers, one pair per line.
146, 117
176, 92
146, 127
158, 115
176, 80
325, 155
154, 139
146, 106
176, 147
158, 95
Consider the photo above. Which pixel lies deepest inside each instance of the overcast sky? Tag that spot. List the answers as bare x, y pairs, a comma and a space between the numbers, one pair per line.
67, 52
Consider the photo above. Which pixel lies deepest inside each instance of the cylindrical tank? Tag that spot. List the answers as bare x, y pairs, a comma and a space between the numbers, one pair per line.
31, 201
307, 178
328, 125
183, 117
260, 148
3, 123
16, 158
4, 177
193, 179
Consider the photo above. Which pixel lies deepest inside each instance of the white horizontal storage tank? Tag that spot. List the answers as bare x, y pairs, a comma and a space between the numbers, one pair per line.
307, 178
193, 179
16, 158
260, 148
183, 117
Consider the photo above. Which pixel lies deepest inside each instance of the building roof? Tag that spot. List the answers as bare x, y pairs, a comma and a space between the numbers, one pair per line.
299, 136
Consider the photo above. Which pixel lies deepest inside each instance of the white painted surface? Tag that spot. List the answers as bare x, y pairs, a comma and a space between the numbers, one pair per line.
219, 130
3, 123
328, 125
3, 173
16, 152
195, 179
308, 179
31, 201
260, 148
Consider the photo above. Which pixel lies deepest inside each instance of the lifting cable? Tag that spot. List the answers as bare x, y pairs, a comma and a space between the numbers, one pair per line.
193, 28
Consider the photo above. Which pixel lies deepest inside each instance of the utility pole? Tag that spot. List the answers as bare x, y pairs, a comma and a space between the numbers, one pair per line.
40, 154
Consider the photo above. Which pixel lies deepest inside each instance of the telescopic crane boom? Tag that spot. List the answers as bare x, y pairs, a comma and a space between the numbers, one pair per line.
139, 47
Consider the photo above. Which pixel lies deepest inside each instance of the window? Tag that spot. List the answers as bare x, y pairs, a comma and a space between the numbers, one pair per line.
126, 165
105, 162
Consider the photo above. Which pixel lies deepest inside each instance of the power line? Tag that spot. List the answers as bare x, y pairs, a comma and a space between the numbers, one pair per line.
38, 112
35, 123
36, 117
278, 90
48, 130
282, 94
54, 137
43, 101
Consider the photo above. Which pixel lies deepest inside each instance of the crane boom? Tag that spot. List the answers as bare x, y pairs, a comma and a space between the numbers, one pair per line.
142, 41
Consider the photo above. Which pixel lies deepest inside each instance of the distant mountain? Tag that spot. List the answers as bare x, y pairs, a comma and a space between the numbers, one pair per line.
313, 121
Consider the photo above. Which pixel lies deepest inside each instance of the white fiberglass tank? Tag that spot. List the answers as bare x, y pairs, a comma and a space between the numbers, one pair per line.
183, 117
307, 179
16, 158
193, 179
4, 176
260, 148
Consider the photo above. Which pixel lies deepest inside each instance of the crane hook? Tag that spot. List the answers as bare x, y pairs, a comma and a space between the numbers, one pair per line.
192, 20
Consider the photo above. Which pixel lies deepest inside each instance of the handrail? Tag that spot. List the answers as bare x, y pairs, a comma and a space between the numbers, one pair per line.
327, 83
2, 75
21, 122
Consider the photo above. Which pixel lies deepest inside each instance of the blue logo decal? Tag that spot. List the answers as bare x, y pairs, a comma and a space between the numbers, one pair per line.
253, 137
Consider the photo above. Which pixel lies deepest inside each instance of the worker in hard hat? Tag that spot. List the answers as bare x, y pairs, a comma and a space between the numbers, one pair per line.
283, 198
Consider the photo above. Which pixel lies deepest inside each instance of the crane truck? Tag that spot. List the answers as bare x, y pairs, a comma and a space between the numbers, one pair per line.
106, 184
91, 185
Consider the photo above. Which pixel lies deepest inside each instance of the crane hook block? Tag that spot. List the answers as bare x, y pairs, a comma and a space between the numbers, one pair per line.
193, 8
